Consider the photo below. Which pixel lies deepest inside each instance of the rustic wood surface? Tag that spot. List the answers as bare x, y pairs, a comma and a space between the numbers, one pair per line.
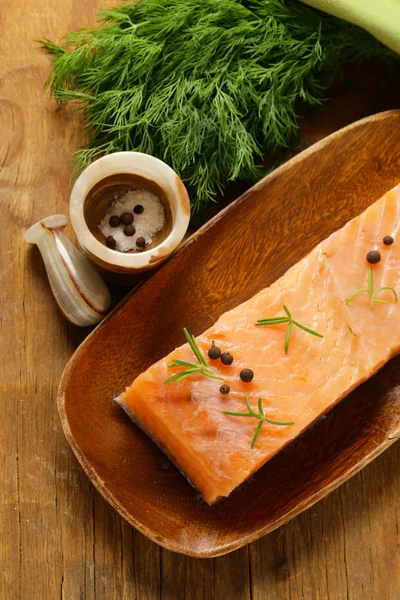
59, 538
336, 179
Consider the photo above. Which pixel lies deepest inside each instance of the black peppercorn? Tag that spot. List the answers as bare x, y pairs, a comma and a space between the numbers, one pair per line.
138, 209
226, 358
388, 240
110, 242
140, 242
224, 389
127, 218
373, 257
114, 221
129, 230
246, 375
214, 352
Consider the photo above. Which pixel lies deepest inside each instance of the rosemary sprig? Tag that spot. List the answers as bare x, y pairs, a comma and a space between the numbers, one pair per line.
371, 292
192, 368
290, 321
260, 416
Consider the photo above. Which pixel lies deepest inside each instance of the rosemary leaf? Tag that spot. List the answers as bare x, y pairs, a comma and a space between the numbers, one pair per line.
281, 423
193, 345
260, 408
238, 414
246, 399
182, 375
202, 359
287, 336
356, 294
379, 300
287, 311
370, 281
308, 329
208, 373
256, 434
176, 362
273, 321
385, 287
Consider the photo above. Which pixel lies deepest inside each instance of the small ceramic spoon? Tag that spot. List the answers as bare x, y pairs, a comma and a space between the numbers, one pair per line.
80, 292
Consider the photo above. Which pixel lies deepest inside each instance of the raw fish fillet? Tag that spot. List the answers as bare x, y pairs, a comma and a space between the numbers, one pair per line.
187, 419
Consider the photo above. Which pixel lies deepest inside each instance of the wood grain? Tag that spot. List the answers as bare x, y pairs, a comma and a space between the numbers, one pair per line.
336, 179
59, 538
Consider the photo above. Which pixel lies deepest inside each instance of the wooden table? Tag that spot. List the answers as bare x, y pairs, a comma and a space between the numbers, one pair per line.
59, 538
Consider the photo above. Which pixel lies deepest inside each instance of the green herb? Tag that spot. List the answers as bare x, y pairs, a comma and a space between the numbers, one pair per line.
207, 86
290, 321
260, 416
191, 368
371, 292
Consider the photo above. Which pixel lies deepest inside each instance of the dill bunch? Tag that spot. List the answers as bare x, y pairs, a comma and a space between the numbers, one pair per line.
208, 86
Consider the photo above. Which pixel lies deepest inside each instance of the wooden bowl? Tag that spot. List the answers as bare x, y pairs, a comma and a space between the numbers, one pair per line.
243, 249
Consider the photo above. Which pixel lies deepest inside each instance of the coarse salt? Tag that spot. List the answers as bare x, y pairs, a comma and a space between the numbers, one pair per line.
147, 224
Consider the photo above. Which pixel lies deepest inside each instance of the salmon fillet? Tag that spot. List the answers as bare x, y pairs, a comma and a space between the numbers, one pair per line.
188, 421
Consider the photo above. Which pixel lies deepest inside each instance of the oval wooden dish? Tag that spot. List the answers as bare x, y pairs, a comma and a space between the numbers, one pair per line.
243, 249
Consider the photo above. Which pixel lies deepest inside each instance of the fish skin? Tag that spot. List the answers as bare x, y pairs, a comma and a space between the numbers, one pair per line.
187, 419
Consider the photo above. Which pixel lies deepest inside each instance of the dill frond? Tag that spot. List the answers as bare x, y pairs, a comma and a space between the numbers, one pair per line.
209, 87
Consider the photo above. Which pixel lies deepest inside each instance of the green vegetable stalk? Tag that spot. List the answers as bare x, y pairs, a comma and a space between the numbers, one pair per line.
209, 86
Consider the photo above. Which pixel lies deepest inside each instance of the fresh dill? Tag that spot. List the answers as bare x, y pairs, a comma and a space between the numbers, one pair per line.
191, 368
290, 321
260, 416
371, 292
209, 87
